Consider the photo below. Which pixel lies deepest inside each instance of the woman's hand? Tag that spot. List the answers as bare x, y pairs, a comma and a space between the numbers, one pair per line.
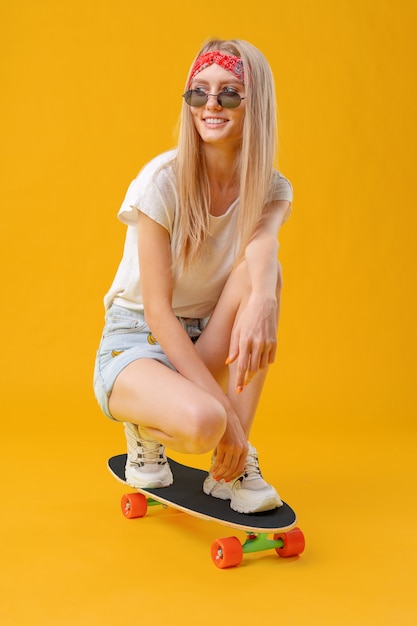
231, 451
253, 341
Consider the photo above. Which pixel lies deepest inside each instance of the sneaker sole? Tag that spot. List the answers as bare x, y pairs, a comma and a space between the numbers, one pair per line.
268, 504
223, 493
156, 483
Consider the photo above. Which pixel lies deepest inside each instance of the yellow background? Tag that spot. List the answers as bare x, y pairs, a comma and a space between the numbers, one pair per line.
90, 91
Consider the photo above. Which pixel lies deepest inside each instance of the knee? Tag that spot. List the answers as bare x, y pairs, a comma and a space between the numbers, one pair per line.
205, 424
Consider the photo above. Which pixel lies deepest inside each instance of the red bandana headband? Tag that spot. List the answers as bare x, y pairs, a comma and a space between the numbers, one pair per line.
227, 61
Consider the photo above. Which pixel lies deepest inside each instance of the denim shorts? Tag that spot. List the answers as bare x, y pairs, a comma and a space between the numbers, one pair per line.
126, 338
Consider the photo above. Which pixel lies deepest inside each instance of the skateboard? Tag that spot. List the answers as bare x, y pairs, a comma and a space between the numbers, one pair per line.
186, 494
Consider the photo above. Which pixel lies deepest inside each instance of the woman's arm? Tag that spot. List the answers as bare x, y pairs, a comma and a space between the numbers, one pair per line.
254, 337
157, 287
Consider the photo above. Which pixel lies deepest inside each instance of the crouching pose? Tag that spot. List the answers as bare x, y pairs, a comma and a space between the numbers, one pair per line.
192, 314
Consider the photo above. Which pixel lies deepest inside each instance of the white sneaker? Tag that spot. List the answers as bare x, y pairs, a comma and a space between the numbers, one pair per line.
249, 492
147, 465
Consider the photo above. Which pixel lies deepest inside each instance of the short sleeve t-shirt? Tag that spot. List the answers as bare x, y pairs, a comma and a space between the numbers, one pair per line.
197, 291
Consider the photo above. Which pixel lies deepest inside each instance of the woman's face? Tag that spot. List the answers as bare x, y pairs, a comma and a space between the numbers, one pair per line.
214, 123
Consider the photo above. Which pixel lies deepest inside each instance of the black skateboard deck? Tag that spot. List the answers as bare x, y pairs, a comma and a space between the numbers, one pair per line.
186, 494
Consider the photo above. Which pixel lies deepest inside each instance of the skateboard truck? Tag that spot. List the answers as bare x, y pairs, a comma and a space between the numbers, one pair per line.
228, 552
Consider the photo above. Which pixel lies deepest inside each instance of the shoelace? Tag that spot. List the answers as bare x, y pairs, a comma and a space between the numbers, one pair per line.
151, 452
252, 471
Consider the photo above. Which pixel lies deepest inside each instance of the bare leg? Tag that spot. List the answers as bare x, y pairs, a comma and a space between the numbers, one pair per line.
214, 342
175, 411
170, 408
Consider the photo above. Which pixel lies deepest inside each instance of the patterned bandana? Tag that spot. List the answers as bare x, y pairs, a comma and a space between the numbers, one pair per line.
227, 61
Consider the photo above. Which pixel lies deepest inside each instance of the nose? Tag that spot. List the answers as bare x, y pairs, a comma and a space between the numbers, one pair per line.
210, 101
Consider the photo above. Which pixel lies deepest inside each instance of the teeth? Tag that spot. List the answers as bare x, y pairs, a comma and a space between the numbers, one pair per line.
213, 120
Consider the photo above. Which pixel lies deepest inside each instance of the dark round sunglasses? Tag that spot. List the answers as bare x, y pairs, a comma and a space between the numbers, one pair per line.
226, 99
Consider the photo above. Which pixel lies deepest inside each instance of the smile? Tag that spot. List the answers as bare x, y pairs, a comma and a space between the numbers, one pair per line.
214, 120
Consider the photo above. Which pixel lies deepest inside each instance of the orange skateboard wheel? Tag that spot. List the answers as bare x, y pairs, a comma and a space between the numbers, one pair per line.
294, 543
227, 552
134, 505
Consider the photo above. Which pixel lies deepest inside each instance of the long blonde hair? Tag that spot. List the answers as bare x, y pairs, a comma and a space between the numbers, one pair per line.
254, 166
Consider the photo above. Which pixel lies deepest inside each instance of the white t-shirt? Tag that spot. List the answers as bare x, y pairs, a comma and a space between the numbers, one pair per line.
195, 293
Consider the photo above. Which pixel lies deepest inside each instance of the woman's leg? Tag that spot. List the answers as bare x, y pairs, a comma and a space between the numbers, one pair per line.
168, 407
173, 411
214, 344
249, 492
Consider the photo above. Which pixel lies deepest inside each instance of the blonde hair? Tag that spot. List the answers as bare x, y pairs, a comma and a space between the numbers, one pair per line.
253, 168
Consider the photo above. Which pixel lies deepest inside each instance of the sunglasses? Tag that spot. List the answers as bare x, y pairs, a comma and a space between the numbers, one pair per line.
226, 99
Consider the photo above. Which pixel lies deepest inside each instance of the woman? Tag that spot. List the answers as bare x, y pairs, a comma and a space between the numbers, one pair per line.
191, 317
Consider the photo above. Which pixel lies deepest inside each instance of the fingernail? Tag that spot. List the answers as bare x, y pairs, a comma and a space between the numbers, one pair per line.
228, 361
239, 389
